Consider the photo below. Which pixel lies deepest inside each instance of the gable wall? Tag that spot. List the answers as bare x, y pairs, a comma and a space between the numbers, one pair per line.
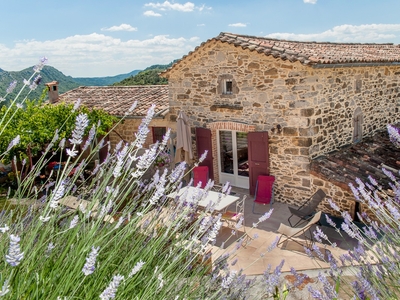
307, 112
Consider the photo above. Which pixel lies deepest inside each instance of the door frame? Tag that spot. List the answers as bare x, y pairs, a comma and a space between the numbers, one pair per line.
228, 125
234, 179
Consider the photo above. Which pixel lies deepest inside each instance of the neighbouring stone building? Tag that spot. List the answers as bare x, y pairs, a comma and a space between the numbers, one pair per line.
307, 98
117, 100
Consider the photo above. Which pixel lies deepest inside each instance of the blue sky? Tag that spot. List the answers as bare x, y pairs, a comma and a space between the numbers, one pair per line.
96, 38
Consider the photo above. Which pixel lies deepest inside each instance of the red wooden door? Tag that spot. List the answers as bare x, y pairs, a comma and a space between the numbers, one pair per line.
258, 157
203, 143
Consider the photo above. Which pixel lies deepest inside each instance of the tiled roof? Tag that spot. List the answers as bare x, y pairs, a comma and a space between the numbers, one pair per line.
117, 100
313, 53
358, 161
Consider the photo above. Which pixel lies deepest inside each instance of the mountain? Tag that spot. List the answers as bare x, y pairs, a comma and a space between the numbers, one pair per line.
48, 74
67, 83
148, 76
103, 81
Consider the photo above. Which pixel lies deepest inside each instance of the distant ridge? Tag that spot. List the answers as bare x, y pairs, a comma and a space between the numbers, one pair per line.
103, 81
67, 83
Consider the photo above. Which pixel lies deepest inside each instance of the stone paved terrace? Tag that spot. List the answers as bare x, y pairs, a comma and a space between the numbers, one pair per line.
254, 258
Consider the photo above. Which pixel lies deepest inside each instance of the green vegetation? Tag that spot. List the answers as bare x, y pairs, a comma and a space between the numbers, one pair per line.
36, 125
48, 74
149, 76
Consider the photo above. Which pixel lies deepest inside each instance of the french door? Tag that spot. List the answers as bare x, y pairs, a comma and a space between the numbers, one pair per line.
233, 164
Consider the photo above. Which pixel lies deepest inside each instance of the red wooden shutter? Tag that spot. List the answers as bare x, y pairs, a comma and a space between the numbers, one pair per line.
203, 143
258, 157
103, 151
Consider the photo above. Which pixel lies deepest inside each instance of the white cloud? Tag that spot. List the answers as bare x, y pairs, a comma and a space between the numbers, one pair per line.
96, 55
122, 27
373, 33
166, 5
310, 1
201, 25
150, 13
186, 7
237, 25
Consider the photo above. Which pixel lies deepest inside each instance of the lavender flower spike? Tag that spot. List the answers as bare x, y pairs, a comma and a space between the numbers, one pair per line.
14, 255
139, 265
58, 193
14, 142
40, 65
74, 222
81, 123
5, 288
11, 87
111, 290
89, 266
203, 156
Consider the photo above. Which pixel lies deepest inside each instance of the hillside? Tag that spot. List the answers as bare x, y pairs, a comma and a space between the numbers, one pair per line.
103, 81
48, 74
148, 76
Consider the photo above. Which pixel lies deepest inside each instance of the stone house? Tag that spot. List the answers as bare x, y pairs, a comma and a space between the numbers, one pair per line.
271, 106
116, 100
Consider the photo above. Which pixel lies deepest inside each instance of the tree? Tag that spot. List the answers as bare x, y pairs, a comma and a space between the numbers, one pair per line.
36, 125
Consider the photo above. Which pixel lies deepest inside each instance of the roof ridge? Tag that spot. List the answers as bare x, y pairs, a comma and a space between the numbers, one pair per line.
228, 34
317, 54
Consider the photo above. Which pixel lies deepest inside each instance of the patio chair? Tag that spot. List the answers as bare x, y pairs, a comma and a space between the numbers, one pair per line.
232, 217
293, 233
264, 190
201, 174
307, 210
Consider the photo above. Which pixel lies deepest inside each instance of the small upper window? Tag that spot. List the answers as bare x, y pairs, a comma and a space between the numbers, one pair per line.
158, 133
228, 87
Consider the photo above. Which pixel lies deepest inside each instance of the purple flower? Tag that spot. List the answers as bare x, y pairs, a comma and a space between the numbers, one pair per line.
394, 135
14, 142
143, 129
266, 216
333, 205
111, 290
81, 123
35, 82
203, 156
14, 255
11, 87
228, 279
37, 68
139, 265
5, 288
89, 266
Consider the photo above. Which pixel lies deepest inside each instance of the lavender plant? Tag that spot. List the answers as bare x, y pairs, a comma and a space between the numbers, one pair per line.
373, 264
126, 239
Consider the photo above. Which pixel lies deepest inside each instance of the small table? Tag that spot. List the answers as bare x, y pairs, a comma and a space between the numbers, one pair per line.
212, 197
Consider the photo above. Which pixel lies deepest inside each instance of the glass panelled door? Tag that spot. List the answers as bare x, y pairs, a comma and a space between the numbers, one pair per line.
233, 158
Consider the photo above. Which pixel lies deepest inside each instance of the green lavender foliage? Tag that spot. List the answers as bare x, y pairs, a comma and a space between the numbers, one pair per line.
128, 240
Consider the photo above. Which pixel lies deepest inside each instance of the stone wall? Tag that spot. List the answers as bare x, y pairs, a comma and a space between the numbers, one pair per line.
307, 111
344, 198
126, 130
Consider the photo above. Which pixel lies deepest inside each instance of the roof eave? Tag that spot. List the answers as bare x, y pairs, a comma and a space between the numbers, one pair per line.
355, 64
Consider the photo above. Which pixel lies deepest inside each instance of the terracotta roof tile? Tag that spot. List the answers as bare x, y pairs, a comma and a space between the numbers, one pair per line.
117, 100
359, 160
312, 53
